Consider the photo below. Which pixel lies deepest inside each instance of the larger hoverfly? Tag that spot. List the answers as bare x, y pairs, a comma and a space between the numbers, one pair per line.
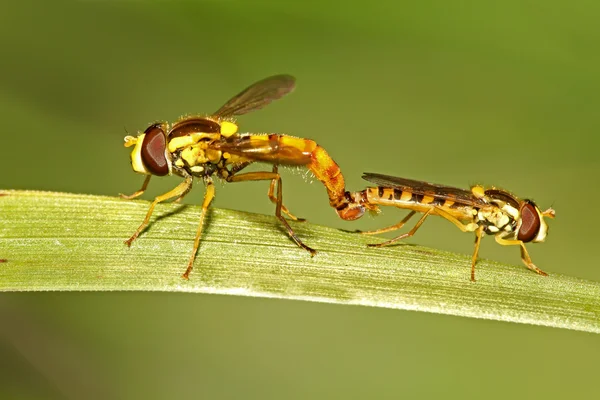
207, 146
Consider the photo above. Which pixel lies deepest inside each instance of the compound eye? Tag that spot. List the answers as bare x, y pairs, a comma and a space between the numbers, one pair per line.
530, 223
153, 151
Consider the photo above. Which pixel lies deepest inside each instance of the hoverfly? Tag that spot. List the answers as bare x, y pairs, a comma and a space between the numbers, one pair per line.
203, 146
492, 211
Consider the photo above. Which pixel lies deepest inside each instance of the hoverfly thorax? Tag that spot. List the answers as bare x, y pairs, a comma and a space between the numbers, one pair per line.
531, 227
150, 155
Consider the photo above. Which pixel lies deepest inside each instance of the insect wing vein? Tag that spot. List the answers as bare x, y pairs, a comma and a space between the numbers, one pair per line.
257, 95
266, 151
425, 188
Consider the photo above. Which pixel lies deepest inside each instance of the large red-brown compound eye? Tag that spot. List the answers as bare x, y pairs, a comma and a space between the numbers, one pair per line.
153, 151
530, 222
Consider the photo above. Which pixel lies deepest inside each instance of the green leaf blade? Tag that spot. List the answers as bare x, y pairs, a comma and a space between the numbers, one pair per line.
68, 242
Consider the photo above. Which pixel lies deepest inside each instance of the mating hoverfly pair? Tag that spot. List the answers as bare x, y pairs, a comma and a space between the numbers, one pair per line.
207, 146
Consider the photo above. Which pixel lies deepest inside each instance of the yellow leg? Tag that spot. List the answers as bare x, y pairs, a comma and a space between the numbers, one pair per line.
274, 199
264, 176
209, 195
471, 227
478, 235
180, 189
405, 235
524, 254
390, 228
139, 192
182, 195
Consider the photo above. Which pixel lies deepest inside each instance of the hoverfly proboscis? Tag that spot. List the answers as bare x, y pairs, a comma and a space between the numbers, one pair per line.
492, 211
203, 146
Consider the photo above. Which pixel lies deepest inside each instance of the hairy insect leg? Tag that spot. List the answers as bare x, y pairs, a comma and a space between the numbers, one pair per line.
405, 235
524, 254
478, 235
264, 176
209, 195
139, 192
179, 190
390, 228
274, 199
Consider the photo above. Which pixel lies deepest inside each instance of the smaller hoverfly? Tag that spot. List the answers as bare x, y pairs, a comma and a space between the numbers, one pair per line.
493, 211
203, 146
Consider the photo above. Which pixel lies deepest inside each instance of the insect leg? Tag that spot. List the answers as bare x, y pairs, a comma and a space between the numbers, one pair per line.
527, 260
390, 228
139, 192
182, 195
263, 176
274, 199
478, 235
404, 235
179, 190
237, 168
524, 254
470, 227
209, 195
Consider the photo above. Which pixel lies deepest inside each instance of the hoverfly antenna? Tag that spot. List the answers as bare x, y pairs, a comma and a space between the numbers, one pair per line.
550, 213
130, 141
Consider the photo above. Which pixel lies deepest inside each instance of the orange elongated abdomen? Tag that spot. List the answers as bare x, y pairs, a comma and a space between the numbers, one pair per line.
289, 150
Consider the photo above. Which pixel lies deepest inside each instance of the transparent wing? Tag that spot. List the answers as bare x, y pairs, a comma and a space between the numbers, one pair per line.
260, 149
257, 95
425, 188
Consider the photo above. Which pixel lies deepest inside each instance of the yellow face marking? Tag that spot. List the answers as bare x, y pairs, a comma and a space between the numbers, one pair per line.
197, 168
228, 128
136, 153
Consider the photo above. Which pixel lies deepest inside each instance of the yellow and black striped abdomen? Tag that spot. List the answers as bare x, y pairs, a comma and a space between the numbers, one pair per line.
406, 199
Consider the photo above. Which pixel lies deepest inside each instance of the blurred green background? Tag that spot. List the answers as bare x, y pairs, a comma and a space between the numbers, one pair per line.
499, 93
